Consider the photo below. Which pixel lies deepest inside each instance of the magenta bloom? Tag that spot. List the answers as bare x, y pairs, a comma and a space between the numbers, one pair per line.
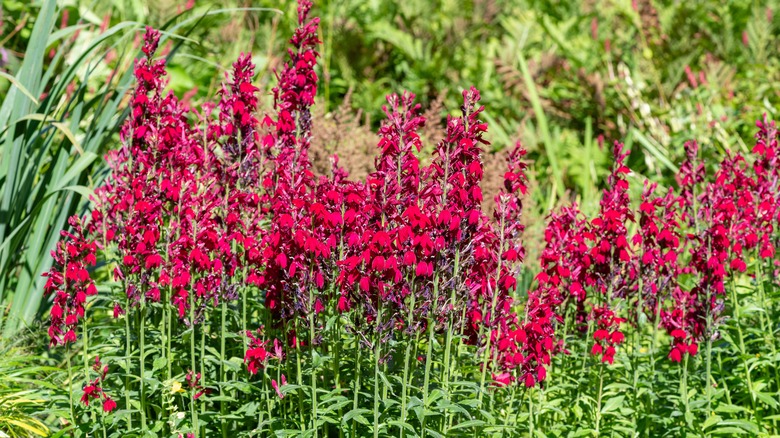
69, 281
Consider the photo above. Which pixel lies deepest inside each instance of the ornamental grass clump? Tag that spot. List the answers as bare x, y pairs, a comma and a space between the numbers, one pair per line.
251, 296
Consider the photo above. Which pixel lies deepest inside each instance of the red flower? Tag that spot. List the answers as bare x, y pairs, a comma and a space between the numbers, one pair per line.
193, 382
503, 379
108, 404
90, 391
118, 310
257, 355
276, 386
94, 389
607, 334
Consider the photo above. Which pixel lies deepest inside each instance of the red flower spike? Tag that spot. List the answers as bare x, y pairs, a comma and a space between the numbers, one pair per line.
69, 281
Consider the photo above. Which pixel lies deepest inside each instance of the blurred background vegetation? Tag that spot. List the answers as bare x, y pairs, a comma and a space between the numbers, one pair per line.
567, 78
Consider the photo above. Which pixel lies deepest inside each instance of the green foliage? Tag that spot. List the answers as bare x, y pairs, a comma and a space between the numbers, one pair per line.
22, 393
642, 394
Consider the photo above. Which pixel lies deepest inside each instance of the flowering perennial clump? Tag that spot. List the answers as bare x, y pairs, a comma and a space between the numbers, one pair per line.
217, 227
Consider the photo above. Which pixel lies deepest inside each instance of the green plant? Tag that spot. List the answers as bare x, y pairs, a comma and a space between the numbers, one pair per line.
23, 393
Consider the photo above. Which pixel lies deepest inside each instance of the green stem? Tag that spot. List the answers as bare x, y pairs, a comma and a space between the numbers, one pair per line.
458, 354
407, 352
356, 390
142, 359
377, 351
312, 320
708, 358
193, 411
169, 317
222, 378
337, 363
511, 409
531, 424
268, 402
243, 316
128, 352
725, 384
654, 348
637, 345
656, 323
70, 386
538, 414
448, 341
202, 359
85, 341
598, 400
766, 327
684, 387
742, 349
429, 350
163, 342
299, 374
494, 302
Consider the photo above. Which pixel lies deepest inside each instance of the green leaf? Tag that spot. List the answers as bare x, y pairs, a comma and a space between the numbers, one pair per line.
612, 404
19, 85
219, 398
550, 146
433, 396
743, 424
468, 424
159, 363
332, 406
728, 431
714, 419
357, 415
400, 424
729, 409
214, 352
767, 399
654, 149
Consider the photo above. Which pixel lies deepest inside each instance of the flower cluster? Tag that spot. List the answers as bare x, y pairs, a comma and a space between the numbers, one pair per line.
612, 272
69, 282
94, 388
607, 335
564, 264
200, 216
390, 246
733, 213
767, 171
685, 322
187, 211
658, 240
257, 355
565, 260
301, 240
689, 177
194, 385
